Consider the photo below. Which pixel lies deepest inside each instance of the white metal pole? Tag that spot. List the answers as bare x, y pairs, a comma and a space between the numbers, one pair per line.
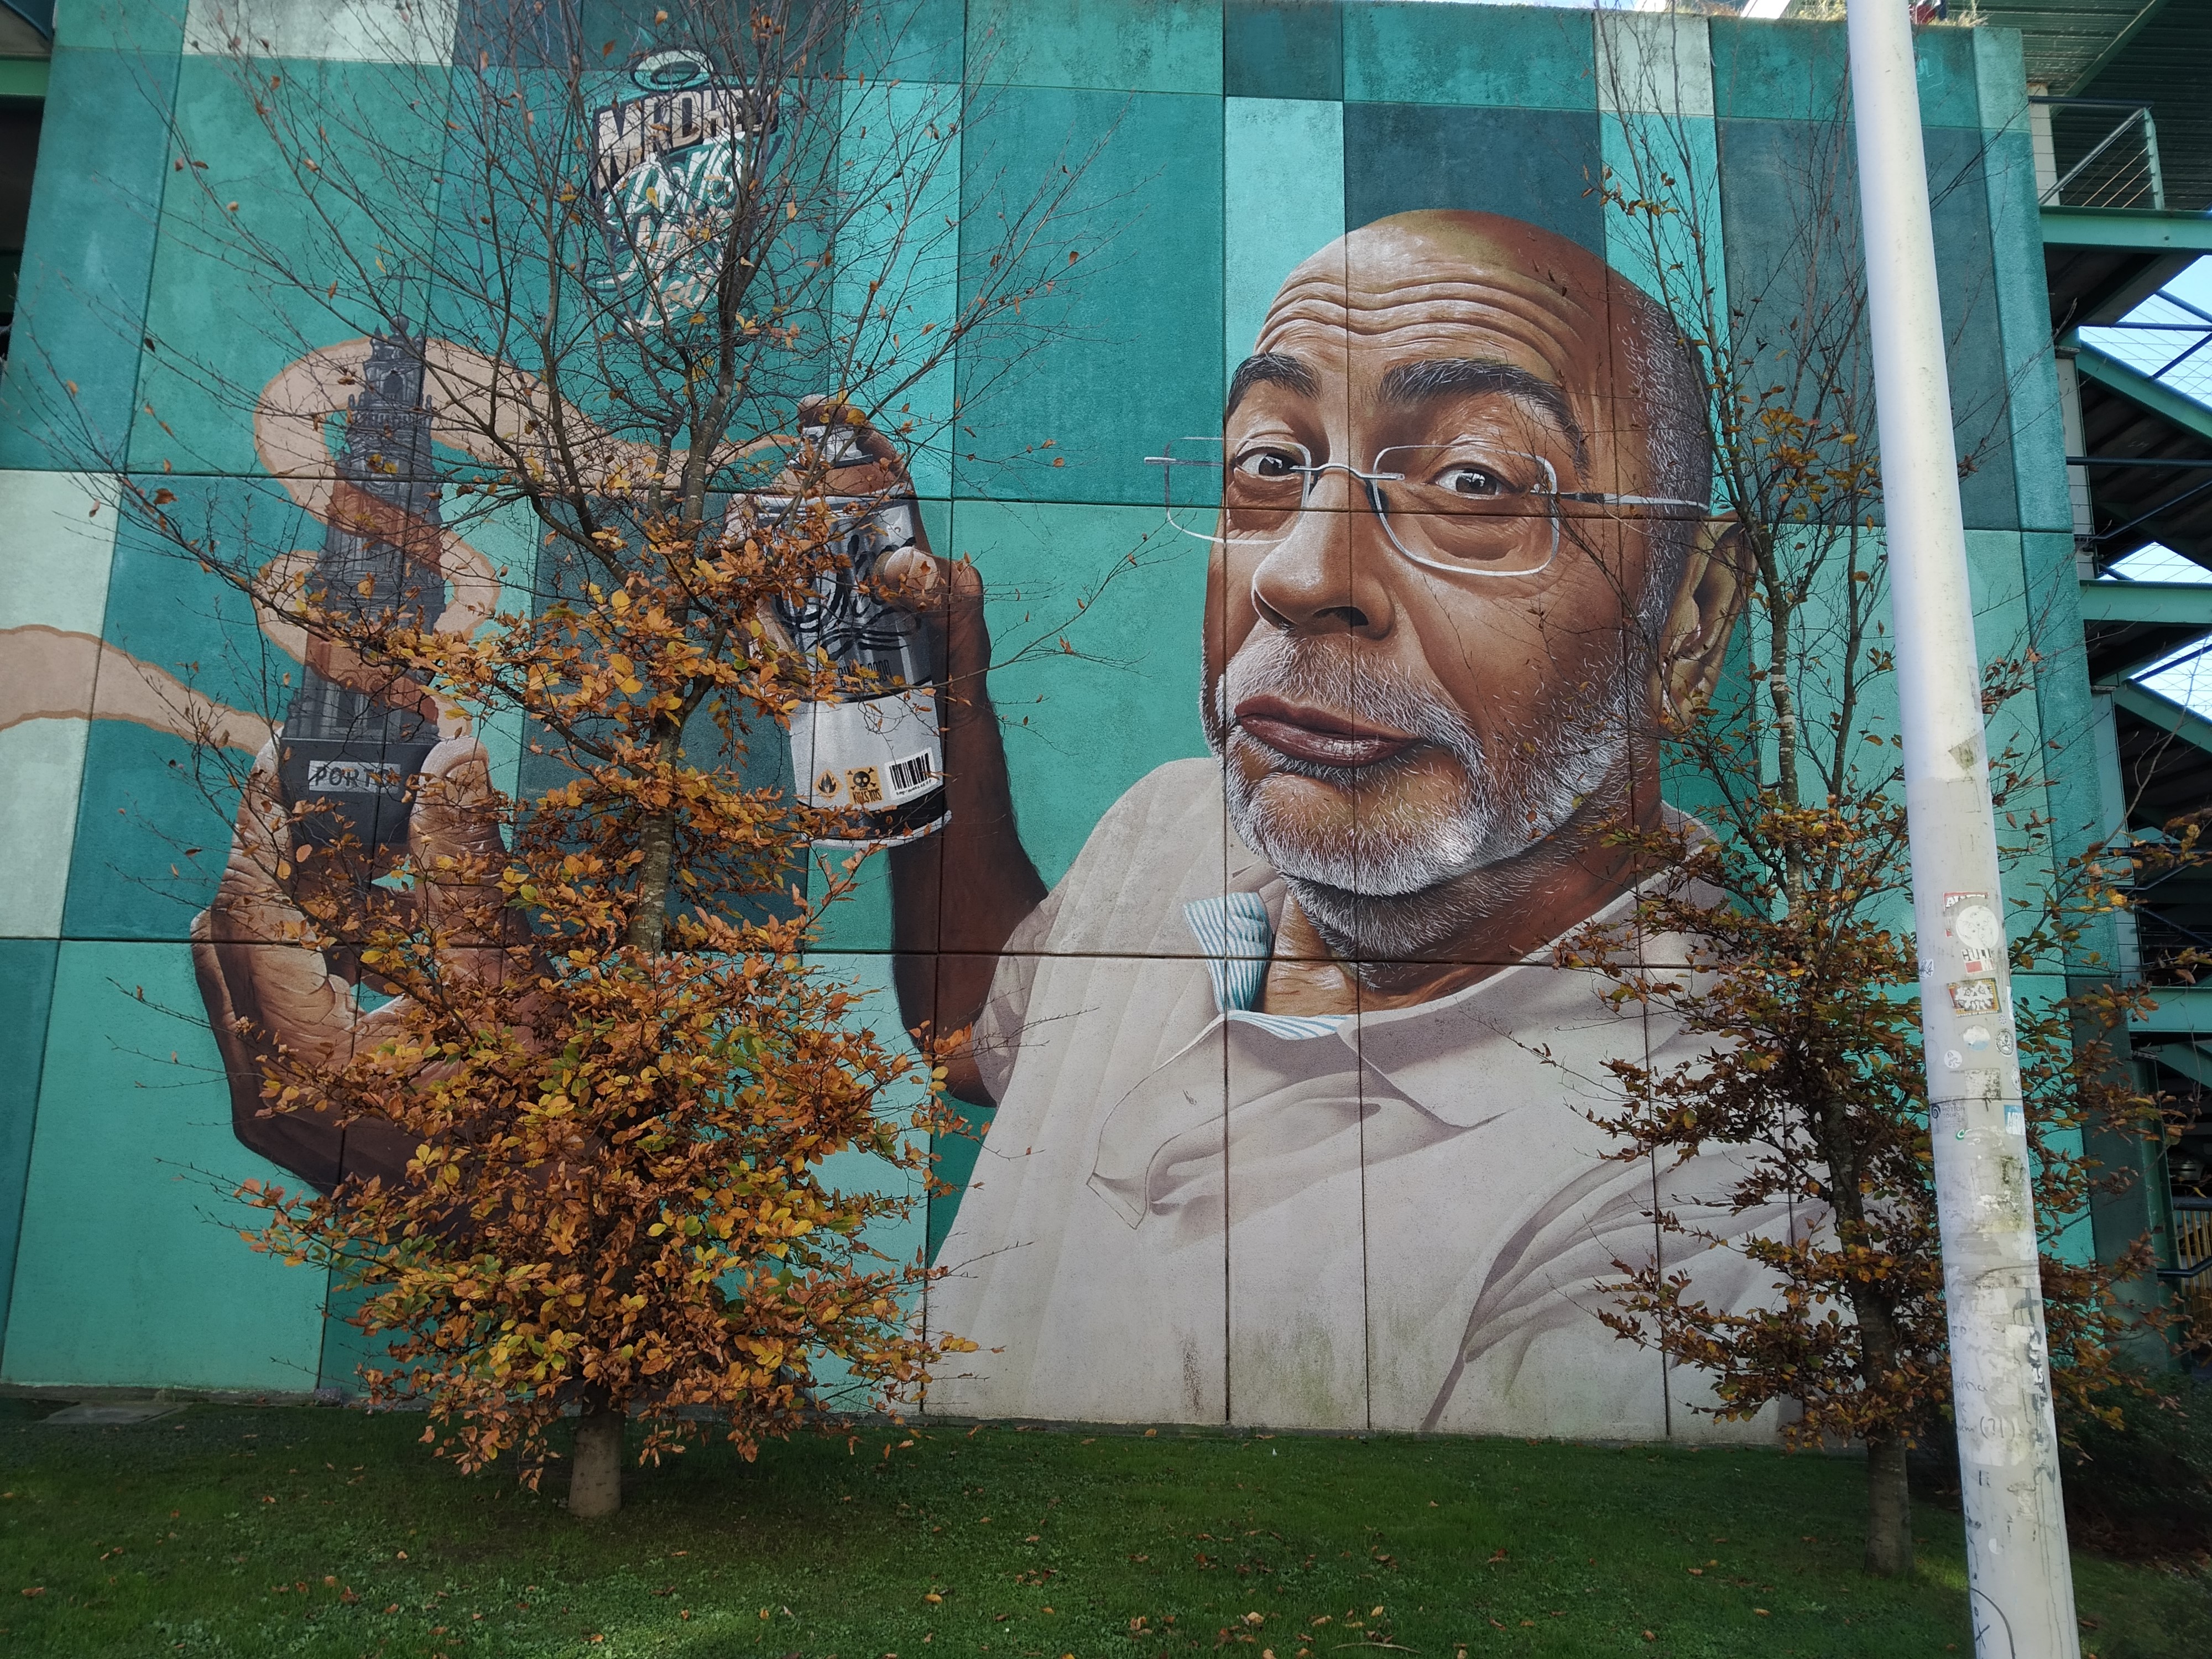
2019, 1576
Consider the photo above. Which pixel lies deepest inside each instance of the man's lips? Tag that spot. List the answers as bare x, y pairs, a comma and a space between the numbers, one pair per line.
1319, 735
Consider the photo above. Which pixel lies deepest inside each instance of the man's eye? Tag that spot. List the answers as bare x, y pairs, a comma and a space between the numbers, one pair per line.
1267, 463
1465, 480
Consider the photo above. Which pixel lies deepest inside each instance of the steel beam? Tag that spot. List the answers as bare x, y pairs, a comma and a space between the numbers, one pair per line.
2170, 605
2183, 1010
2127, 228
2166, 714
2141, 389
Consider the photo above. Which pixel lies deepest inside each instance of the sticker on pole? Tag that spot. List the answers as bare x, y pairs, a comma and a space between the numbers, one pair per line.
1973, 996
1970, 922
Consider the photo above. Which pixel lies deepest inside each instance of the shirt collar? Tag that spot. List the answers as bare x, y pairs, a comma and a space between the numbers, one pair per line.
1525, 1021
1238, 937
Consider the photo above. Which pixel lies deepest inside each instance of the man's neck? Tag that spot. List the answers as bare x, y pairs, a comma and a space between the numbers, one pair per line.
1498, 915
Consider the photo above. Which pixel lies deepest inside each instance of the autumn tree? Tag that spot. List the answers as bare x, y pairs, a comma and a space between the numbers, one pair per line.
544, 1044
1777, 922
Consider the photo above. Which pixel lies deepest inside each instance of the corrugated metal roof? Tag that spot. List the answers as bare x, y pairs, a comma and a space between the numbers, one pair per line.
2167, 63
2066, 41
2153, 52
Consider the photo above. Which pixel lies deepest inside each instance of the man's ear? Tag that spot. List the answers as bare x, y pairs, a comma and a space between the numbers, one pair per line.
1707, 600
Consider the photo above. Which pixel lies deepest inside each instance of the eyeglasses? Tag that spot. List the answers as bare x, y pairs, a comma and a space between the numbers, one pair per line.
1456, 508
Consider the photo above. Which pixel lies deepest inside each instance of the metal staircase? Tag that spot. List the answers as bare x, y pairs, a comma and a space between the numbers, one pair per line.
2135, 364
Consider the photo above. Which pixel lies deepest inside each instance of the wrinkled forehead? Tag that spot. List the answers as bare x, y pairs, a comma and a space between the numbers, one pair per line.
1384, 296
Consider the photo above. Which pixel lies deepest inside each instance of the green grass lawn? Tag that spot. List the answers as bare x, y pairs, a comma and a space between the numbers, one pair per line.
307, 1533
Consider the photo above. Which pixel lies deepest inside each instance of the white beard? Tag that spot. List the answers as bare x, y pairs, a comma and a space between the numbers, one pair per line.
1353, 885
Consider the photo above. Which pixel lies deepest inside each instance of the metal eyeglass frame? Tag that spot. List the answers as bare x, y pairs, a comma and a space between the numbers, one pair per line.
1373, 481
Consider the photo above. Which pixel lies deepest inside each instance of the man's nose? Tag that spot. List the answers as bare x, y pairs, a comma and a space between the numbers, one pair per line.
1330, 574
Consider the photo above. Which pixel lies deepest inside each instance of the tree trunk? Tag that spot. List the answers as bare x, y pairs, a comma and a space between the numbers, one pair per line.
1889, 1505
648, 922
1889, 1511
595, 1472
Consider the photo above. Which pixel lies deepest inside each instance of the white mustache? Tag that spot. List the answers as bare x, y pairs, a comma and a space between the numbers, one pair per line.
1297, 670
1506, 804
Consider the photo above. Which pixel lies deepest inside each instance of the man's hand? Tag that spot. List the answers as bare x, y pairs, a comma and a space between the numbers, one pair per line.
956, 895
269, 989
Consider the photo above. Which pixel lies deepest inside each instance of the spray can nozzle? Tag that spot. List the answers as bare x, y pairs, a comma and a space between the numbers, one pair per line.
838, 446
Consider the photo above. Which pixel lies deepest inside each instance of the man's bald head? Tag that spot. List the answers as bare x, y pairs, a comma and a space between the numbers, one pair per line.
1569, 337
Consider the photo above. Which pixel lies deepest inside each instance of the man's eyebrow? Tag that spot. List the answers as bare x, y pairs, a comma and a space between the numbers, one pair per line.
1447, 377
1270, 369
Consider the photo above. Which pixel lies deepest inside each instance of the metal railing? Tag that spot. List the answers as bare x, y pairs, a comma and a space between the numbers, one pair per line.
2102, 161
2193, 1234
2191, 1278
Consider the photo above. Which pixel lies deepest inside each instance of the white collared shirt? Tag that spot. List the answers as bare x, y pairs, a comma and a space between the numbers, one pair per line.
1187, 1209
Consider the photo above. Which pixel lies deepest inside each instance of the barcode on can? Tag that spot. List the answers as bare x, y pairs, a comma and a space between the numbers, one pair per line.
909, 773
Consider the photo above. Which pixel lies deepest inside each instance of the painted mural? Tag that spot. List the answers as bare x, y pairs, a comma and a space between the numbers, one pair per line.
1241, 916
1289, 1099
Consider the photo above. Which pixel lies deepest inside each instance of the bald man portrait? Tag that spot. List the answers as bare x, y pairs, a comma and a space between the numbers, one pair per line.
1290, 1108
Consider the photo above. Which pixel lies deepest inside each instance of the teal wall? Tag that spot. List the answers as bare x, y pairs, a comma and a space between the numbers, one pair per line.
1239, 136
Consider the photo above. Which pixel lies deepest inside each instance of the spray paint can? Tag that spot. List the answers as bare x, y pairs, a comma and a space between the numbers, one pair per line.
876, 758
